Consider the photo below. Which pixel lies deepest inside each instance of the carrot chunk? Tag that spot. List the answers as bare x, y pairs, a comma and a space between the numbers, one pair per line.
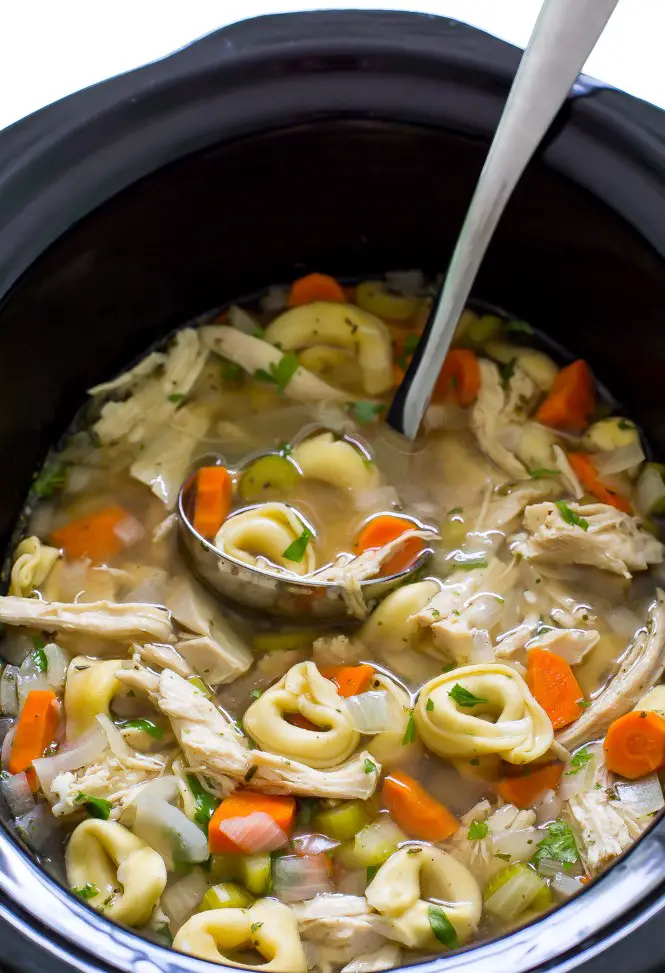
587, 474
241, 804
350, 680
316, 287
35, 730
380, 531
459, 379
551, 680
212, 500
524, 790
297, 719
415, 811
571, 400
93, 536
635, 744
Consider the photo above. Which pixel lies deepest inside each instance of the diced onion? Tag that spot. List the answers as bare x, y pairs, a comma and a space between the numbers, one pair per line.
566, 885
549, 867
80, 754
17, 792
254, 832
30, 677
515, 895
313, 844
58, 661
643, 796
243, 321
619, 459
182, 898
370, 712
481, 648
484, 610
129, 531
78, 479
116, 740
170, 832
573, 781
38, 828
7, 748
547, 807
650, 491
520, 845
296, 879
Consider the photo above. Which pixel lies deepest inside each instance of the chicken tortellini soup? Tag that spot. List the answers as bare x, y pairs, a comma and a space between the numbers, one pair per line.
431, 770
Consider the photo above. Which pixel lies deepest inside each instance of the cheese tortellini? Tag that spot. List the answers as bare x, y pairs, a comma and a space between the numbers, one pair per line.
32, 565
392, 625
266, 531
411, 880
128, 876
303, 691
335, 461
388, 746
90, 687
267, 926
481, 709
340, 325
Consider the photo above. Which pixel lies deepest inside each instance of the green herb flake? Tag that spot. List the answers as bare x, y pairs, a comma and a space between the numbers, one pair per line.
368, 766
429, 705
285, 449
229, 371
507, 371
475, 762
256, 693
85, 892
584, 703
570, 516
518, 327
410, 732
307, 808
96, 807
145, 726
469, 562
559, 846
255, 926
463, 697
410, 345
441, 926
280, 373
250, 773
579, 761
176, 397
366, 412
296, 551
542, 472
371, 872
39, 658
504, 855
206, 804
625, 424
477, 830
49, 481
454, 511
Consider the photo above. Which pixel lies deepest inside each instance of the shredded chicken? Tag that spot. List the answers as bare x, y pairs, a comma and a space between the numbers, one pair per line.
343, 929
162, 657
104, 619
611, 540
572, 644
164, 462
336, 650
477, 853
109, 777
504, 508
498, 411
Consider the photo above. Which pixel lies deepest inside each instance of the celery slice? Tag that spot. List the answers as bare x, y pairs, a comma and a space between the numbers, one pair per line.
255, 873
226, 895
343, 822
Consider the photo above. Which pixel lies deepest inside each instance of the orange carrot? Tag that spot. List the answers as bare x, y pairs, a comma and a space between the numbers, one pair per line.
35, 730
297, 719
212, 500
524, 790
587, 474
635, 744
379, 531
551, 680
571, 400
315, 287
459, 379
415, 811
93, 536
350, 680
242, 803
398, 375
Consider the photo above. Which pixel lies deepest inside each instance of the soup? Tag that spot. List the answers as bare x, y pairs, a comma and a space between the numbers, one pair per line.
354, 793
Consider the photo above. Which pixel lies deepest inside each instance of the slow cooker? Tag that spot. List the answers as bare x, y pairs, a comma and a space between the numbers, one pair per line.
349, 142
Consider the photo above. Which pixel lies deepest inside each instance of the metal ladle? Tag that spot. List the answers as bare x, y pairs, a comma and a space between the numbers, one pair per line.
564, 35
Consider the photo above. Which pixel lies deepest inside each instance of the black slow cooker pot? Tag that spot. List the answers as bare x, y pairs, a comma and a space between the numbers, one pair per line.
348, 142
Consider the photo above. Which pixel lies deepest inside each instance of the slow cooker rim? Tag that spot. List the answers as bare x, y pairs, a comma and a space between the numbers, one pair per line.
517, 948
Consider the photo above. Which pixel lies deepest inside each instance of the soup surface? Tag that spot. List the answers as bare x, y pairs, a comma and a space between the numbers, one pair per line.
351, 793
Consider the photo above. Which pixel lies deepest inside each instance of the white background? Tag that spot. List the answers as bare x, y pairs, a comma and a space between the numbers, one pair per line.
49, 48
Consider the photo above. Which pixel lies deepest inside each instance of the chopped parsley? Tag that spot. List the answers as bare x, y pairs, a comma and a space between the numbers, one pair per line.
256, 693
96, 807
503, 854
366, 412
429, 705
255, 926
570, 516
176, 397
369, 767
410, 732
285, 449
559, 846
206, 804
542, 472
49, 481
410, 345
85, 892
477, 830
518, 327
463, 697
296, 550
469, 562
145, 726
280, 373
625, 424
507, 371
583, 703
229, 371
579, 761
250, 773
371, 872
38, 657
441, 926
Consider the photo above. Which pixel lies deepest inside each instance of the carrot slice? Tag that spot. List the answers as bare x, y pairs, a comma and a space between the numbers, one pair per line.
571, 400
635, 744
522, 791
415, 811
350, 680
212, 501
297, 719
459, 379
35, 730
587, 474
242, 803
93, 536
551, 680
379, 531
316, 287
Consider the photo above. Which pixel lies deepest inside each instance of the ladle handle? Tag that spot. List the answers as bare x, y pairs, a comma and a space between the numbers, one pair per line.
562, 39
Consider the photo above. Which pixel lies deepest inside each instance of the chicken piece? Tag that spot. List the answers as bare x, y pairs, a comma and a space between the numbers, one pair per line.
336, 650
641, 666
387, 957
162, 657
166, 459
340, 924
215, 651
109, 777
572, 644
104, 619
497, 411
477, 853
611, 540
504, 508
216, 748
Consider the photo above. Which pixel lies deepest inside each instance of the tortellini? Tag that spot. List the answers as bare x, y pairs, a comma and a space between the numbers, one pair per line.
268, 926
304, 691
482, 709
90, 687
340, 325
32, 565
128, 875
388, 746
337, 462
266, 531
412, 879
392, 624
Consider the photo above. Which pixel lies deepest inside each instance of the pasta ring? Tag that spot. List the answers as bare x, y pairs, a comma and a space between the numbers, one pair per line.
266, 530
335, 461
91, 685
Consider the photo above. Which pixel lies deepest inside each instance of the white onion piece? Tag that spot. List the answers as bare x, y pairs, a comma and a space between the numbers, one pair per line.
9, 691
254, 832
30, 677
80, 754
38, 827
313, 844
547, 807
129, 531
566, 885
572, 784
7, 748
5, 726
296, 879
619, 459
243, 321
515, 895
520, 845
649, 492
643, 796
17, 792
382, 498
78, 479
370, 712
58, 661
170, 832
481, 648
352, 883
116, 741
549, 867
484, 610
182, 898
